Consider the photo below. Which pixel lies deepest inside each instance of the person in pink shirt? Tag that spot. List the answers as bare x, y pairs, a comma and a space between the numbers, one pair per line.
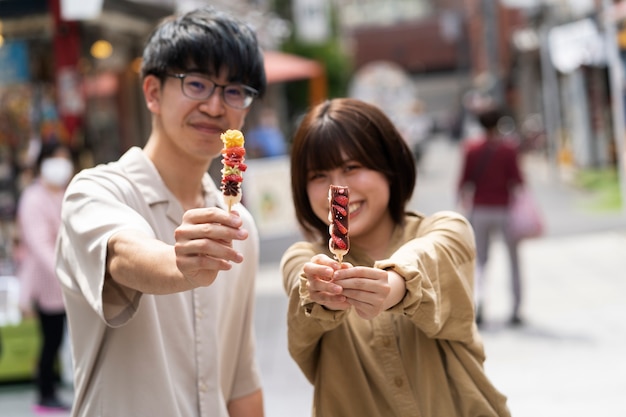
38, 222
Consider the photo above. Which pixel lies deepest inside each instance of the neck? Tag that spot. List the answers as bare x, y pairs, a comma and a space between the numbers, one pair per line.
52, 188
182, 176
376, 242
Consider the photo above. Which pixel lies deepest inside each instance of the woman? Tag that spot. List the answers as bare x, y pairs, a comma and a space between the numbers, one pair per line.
390, 331
38, 221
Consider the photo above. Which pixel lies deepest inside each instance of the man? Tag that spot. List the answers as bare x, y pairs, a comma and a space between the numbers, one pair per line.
158, 278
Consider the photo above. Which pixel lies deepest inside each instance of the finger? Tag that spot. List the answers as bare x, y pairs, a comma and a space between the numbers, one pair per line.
362, 297
365, 291
330, 301
360, 272
324, 286
196, 267
322, 259
214, 231
313, 270
213, 215
207, 248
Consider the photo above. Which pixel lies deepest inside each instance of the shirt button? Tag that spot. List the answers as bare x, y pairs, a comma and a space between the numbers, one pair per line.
398, 381
202, 387
386, 341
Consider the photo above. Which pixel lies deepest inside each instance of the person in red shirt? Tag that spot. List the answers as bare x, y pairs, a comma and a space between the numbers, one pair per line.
489, 177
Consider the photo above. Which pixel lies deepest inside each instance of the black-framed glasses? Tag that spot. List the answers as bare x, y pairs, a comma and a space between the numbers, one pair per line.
199, 87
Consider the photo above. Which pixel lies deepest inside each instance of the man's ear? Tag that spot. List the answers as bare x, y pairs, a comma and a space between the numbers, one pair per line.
152, 93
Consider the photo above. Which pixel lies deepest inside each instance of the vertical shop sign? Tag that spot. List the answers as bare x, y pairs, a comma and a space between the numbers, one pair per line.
14, 63
68, 82
70, 94
312, 20
80, 9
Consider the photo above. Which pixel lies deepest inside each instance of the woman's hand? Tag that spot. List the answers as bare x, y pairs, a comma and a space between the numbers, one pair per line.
370, 290
322, 290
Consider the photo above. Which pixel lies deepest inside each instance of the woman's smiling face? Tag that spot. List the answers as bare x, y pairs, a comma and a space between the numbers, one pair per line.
369, 197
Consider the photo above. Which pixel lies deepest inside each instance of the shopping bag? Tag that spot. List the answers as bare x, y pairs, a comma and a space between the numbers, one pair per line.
525, 217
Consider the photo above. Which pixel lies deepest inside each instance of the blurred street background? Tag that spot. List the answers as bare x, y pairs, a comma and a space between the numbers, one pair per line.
566, 361
69, 72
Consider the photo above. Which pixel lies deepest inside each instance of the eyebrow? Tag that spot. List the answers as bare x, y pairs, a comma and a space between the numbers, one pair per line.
197, 71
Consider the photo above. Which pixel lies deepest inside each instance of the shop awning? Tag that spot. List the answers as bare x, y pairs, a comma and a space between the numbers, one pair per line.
282, 67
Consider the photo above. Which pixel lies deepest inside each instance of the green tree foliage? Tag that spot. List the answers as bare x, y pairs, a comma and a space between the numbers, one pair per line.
330, 54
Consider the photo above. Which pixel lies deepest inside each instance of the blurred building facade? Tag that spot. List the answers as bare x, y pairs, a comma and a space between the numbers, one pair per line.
517, 51
545, 60
77, 77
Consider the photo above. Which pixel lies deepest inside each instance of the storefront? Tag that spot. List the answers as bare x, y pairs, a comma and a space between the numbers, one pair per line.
78, 82
72, 81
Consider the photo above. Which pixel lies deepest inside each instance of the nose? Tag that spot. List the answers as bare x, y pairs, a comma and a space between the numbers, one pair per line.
337, 177
214, 105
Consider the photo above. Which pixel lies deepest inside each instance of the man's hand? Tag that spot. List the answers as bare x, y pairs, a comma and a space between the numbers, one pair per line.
204, 243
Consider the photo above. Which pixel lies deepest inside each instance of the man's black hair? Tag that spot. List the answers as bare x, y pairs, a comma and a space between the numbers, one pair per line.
205, 40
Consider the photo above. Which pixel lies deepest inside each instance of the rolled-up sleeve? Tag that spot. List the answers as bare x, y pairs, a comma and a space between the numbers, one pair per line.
93, 210
307, 321
438, 266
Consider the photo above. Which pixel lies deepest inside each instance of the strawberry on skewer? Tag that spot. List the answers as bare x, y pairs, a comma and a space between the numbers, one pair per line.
233, 159
338, 202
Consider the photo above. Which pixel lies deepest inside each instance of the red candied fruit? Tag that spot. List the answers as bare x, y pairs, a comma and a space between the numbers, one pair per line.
342, 229
233, 178
341, 199
339, 243
340, 209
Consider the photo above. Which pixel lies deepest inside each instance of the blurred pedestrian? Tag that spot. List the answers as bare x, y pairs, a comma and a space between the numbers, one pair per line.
489, 177
266, 139
389, 331
38, 221
158, 277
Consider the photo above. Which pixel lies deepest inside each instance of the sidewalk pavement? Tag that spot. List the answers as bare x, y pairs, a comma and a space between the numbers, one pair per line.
566, 361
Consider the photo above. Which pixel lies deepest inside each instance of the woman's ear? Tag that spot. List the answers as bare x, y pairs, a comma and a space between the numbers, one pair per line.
152, 93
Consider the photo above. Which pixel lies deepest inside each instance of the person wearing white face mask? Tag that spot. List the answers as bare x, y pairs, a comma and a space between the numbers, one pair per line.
57, 171
38, 221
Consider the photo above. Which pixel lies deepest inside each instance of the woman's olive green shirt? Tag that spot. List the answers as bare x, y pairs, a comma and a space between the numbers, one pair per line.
421, 358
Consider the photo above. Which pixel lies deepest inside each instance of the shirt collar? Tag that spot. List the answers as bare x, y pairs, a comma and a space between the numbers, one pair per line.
141, 170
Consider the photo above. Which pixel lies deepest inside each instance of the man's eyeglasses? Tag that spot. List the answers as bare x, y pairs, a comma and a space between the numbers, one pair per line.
198, 87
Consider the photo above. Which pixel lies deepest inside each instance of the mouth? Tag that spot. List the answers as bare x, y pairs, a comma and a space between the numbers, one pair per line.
354, 208
208, 128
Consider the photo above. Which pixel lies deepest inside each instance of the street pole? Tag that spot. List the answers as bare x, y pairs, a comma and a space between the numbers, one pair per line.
550, 94
617, 95
491, 24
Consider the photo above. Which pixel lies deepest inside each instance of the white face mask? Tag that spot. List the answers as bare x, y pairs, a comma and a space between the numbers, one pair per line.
57, 171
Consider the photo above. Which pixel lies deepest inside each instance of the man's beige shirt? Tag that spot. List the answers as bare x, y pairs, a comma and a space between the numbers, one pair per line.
423, 357
184, 354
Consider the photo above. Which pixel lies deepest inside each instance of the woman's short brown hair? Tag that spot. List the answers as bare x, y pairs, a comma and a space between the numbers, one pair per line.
365, 134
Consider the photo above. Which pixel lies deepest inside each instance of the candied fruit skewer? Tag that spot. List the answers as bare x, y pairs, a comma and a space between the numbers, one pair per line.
232, 173
338, 213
